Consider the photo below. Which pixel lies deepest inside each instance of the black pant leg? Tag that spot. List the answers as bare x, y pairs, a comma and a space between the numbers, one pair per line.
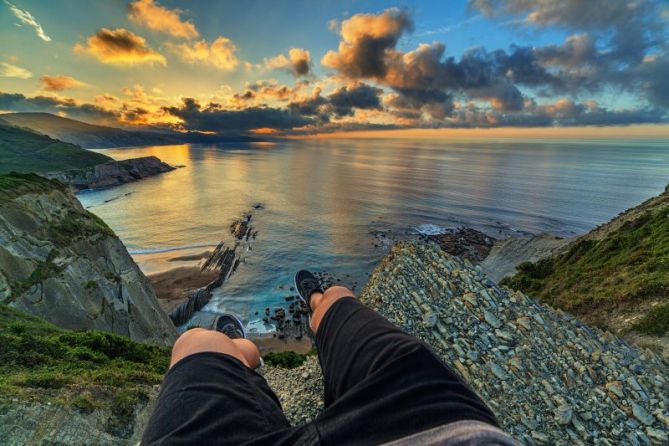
213, 399
381, 383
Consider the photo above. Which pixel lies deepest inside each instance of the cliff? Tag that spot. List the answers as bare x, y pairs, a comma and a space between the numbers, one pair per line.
62, 263
112, 173
615, 276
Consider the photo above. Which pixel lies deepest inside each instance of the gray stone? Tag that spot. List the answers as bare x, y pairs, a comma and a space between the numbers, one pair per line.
563, 414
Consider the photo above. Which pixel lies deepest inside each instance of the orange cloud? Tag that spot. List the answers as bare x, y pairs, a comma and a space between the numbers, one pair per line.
222, 53
59, 83
365, 40
119, 46
158, 18
298, 62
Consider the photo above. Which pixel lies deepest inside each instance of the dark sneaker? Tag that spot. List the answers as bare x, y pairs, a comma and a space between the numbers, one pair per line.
306, 284
230, 325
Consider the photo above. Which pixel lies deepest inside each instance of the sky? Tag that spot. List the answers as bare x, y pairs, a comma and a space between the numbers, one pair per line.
304, 67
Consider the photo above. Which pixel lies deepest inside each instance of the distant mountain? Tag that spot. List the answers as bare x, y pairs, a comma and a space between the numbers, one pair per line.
97, 137
23, 150
86, 135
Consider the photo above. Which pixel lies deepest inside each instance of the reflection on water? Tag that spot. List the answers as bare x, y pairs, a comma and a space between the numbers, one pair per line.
323, 197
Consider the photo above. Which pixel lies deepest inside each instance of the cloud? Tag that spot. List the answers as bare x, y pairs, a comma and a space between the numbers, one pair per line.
346, 99
426, 82
9, 70
365, 41
119, 46
59, 83
159, 18
298, 62
214, 118
221, 53
26, 18
629, 26
342, 102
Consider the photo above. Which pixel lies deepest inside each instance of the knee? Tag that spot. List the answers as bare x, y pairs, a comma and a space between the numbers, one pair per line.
199, 340
336, 292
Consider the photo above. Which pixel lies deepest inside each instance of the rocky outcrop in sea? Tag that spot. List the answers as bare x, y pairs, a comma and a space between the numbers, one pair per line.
549, 378
224, 260
62, 263
112, 173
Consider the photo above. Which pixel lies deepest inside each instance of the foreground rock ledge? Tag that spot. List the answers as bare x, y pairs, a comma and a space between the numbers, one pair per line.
549, 378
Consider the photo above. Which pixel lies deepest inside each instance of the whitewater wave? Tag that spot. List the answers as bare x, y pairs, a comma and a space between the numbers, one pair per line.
169, 249
430, 229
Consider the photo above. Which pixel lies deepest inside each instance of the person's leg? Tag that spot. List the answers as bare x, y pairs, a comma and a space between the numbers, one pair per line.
381, 383
199, 340
211, 395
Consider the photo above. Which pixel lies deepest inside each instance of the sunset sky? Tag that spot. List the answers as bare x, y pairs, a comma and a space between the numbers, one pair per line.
307, 67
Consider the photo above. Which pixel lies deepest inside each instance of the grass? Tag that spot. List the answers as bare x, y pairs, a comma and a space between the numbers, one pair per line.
655, 323
286, 360
84, 369
618, 273
15, 184
22, 150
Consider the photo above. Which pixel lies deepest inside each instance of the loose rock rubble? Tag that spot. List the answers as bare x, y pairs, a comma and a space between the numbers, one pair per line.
549, 378
300, 390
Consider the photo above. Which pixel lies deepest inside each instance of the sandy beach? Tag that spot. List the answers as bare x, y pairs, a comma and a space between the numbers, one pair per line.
173, 286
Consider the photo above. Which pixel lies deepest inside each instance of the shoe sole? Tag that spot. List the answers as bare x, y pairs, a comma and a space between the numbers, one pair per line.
239, 321
310, 332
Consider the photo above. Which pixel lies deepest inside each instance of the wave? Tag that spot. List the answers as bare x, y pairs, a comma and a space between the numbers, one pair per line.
430, 229
172, 248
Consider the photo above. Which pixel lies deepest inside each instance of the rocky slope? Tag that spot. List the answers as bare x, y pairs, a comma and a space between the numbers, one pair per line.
549, 378
112, 173
507, 254
62, 263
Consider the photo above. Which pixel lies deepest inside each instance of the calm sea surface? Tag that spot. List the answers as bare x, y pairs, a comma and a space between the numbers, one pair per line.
323, 197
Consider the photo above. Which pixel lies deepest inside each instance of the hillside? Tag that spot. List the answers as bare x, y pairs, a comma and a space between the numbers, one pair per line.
72, 387
61, 262
23, 150
616, 276
85, 135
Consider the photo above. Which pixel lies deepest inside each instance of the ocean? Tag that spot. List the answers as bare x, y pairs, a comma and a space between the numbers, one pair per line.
323, 200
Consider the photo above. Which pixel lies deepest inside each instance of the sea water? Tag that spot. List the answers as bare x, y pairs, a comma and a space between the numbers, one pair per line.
323, 199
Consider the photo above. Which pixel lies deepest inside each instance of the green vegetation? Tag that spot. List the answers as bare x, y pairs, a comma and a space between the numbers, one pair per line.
85, 369
286, 360
627, 268
77, 225
23, 150
16, 184
656, 322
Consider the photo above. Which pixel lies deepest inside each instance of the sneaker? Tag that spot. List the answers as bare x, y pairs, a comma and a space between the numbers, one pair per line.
230, 325
306, 284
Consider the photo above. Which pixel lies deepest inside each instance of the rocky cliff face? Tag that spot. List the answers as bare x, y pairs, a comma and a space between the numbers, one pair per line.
113, 173
62, 263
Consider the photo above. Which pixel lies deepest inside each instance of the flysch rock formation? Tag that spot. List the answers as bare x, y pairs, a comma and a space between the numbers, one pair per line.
507, 254
113, 173
62, 263
549, 378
